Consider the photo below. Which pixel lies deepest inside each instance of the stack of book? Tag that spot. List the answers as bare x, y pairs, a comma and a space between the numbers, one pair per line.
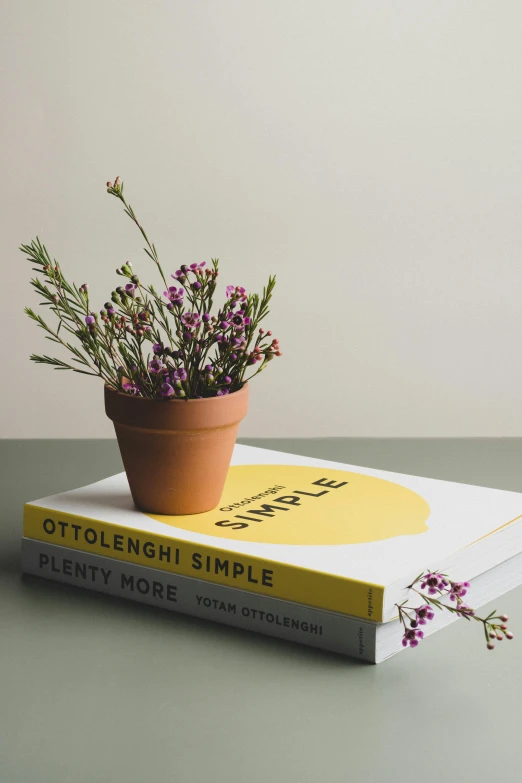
303, 549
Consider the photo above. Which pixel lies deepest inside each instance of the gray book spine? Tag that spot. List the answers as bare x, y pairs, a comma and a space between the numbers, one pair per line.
228, 605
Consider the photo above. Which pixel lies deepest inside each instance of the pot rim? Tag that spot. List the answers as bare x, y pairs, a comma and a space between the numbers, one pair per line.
109, 389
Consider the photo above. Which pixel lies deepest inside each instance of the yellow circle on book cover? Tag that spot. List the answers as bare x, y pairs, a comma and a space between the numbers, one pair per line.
307, 506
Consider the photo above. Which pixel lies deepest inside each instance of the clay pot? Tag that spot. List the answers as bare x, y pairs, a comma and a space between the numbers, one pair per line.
176, 453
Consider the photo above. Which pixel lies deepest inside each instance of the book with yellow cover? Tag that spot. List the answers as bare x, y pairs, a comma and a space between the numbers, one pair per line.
335, 537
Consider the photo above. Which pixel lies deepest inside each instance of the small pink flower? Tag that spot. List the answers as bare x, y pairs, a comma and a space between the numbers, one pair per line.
435, 583
458, 590
166, 390
236, 292
174, 295
191, 320
424, 613
411, 637
155, 366
238, 320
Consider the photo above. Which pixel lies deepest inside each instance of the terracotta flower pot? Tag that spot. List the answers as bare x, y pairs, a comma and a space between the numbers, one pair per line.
176, 453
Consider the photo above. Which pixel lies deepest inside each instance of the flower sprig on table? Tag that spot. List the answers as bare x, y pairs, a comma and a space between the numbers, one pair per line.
433, 588
159, 344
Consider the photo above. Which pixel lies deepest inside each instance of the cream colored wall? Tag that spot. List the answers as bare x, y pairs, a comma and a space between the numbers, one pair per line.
369, 153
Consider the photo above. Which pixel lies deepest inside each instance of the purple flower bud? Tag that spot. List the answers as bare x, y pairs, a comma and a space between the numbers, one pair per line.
222, 392
193, 266
158, 349
233, 356
196, 286
227, 379
89, 320
205, 318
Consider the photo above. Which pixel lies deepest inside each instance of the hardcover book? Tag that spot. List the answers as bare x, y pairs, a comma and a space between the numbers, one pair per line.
325, 535
339, 633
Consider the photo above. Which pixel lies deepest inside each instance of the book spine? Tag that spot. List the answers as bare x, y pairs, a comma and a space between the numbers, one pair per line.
217, 565
187, 595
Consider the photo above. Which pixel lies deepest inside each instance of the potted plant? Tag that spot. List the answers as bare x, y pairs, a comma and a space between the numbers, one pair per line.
175, 368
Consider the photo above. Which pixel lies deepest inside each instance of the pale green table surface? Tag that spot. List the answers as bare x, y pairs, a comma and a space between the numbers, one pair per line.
96, 689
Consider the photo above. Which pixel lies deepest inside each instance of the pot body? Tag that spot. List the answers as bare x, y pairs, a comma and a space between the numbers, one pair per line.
176, 453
